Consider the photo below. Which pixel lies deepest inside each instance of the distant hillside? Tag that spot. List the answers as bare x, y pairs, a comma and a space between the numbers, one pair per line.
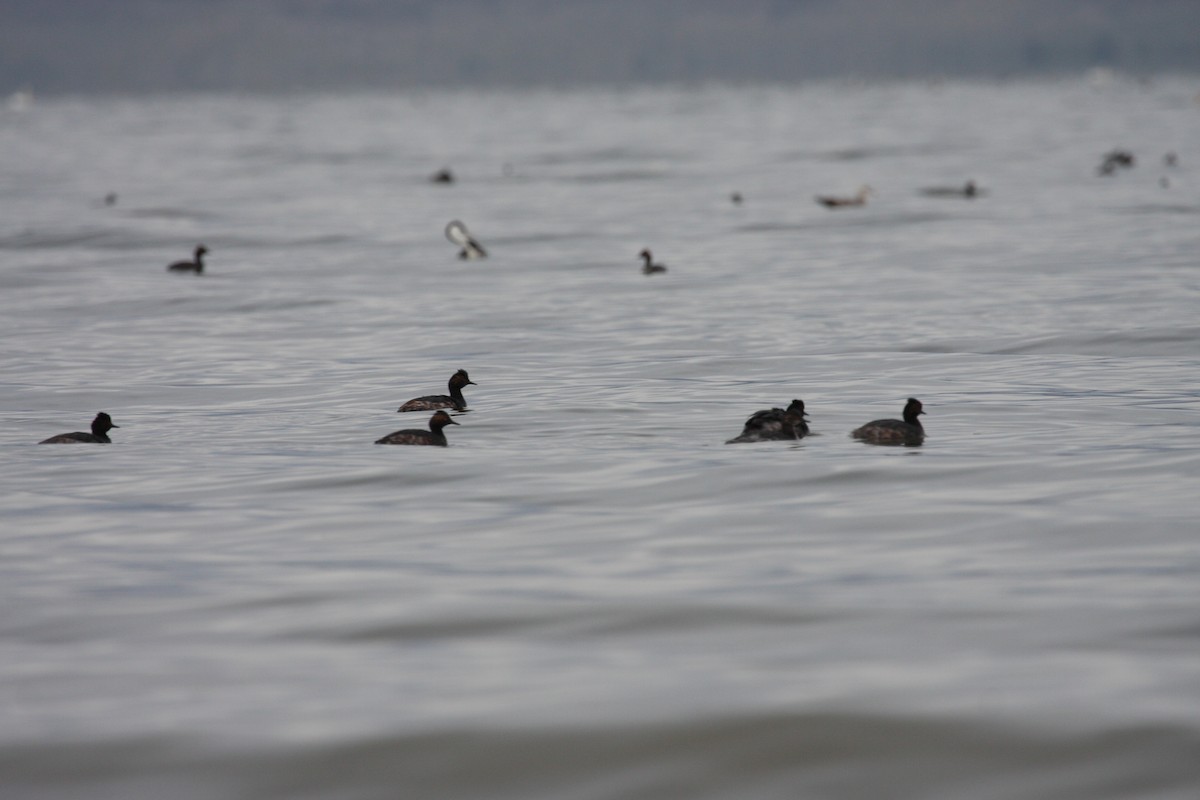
268, 45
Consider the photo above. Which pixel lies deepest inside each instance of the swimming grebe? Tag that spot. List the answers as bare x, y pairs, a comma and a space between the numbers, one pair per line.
433, 436
453, 400
775, 424
457, 232
859, 199
196, 266
443, 175
648, 265
893, 431
101, 425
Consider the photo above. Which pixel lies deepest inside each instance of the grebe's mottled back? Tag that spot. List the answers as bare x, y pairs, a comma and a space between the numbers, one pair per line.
775, 424
433, 436
453, 400
894, 431
196, 265
101, 425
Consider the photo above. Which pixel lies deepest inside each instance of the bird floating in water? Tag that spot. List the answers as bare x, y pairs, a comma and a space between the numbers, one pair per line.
101, 425
894, 431
196, 265
453, 400
1115, 159
443, 175
968, 190
434, 436
457, 233
858, 199
648, 265
775, 424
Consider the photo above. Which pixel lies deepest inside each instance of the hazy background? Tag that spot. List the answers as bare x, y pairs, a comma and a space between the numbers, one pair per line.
57, 46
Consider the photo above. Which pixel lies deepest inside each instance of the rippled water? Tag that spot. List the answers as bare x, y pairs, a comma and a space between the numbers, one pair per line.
587, 594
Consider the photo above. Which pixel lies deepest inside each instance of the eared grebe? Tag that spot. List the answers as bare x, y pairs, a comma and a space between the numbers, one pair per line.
101, 425
736, 198
458, 233
433, 436
775, 424
196, 266
453, 400
893, 431
648, 265
859, 199
443, 175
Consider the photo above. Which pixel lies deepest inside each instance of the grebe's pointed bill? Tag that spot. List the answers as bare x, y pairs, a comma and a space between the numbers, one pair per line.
457, 233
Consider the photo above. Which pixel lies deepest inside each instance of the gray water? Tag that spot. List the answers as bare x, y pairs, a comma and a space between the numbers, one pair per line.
588, 594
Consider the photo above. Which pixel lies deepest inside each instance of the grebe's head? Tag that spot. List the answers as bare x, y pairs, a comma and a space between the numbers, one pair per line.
440, 419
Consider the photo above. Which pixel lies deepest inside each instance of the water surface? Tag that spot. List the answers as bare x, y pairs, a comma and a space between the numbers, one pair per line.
587, 594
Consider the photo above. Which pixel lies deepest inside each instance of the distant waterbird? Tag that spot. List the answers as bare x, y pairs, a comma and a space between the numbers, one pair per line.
834, 201
196, 265
1115, 159
457, 233
648, 265
969, 190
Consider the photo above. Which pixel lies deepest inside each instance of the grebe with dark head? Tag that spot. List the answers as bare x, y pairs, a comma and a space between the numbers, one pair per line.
648, 265
454, 400
775, 424
196, 265
894, 431
101, 425
434, 436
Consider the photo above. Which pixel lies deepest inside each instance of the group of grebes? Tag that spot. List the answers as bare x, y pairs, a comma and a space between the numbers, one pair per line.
773, 424
440, 419
789, 424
